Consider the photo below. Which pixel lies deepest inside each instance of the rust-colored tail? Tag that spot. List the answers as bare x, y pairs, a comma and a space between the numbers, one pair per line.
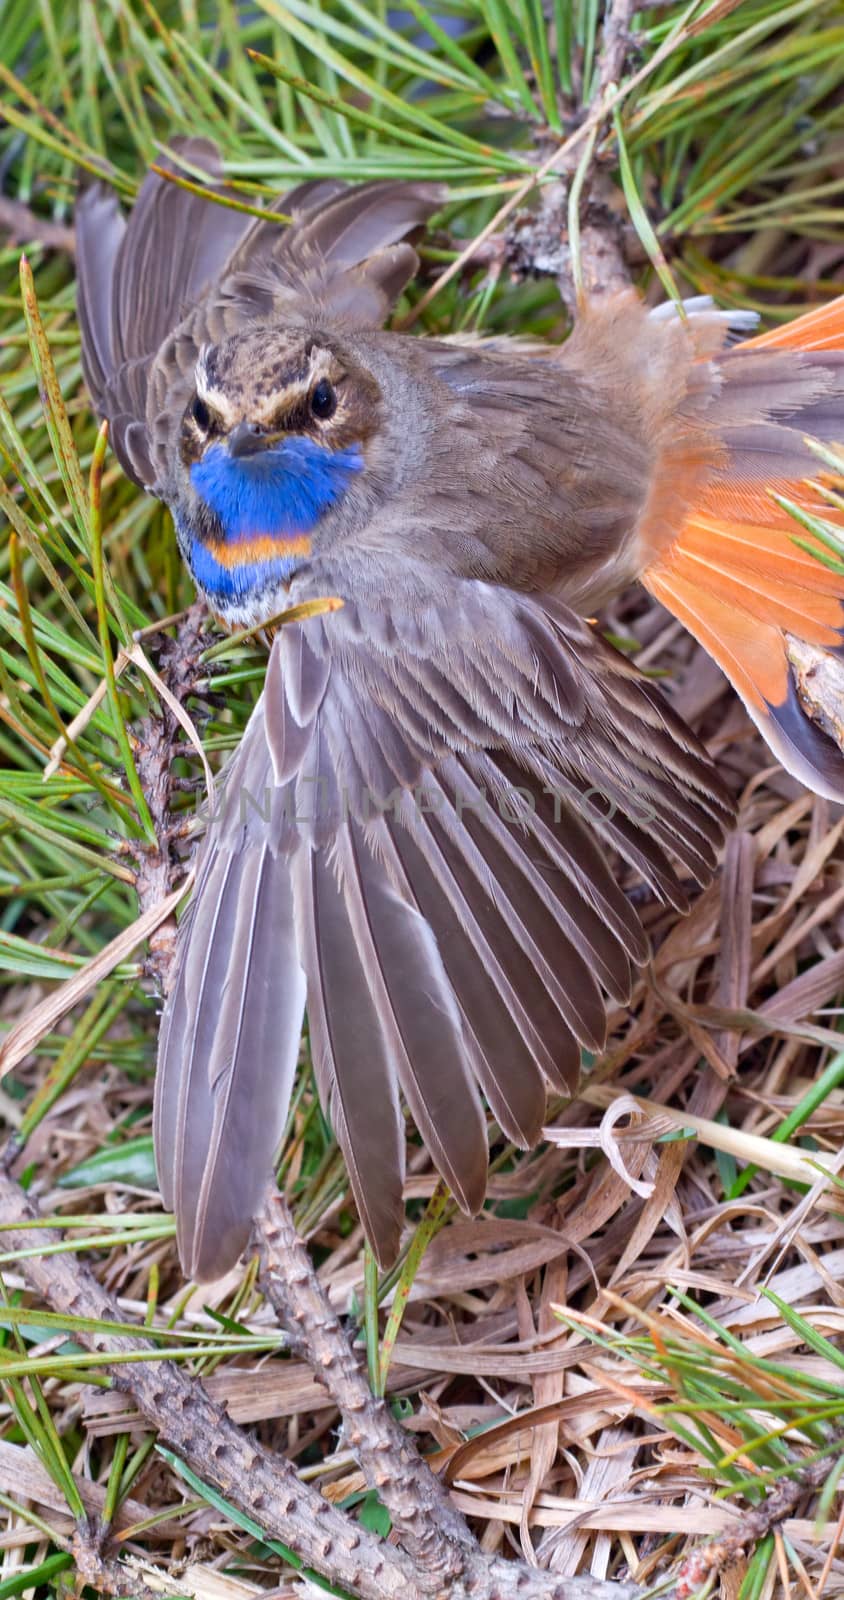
734, 574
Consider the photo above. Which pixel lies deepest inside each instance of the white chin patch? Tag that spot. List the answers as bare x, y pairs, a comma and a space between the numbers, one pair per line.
251, 613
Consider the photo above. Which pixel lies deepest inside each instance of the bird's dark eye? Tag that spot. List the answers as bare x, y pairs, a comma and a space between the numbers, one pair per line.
201, 415
323, 400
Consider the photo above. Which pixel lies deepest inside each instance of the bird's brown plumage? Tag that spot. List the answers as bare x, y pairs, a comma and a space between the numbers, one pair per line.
415, 824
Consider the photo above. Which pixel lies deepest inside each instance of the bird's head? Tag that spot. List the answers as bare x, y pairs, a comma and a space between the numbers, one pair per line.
273, 439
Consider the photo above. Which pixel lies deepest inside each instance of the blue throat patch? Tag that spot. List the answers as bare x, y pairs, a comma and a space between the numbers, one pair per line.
267, 503
275, 493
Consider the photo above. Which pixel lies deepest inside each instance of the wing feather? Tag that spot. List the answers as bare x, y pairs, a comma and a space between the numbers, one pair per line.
488, 849
175, 245
532, 1009
419, 1017
249, 1069
508, 1049
184, 1112
346, 255
454, 934
355, 1077
100, 227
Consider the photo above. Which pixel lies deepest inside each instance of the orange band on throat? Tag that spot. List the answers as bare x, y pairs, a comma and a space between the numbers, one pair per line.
250, 552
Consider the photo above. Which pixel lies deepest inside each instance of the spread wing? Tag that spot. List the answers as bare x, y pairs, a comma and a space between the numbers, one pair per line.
413, 834
183, 271
136, 280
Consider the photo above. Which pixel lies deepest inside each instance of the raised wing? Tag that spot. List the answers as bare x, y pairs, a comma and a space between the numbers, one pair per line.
184, 271
414, 821
137, 279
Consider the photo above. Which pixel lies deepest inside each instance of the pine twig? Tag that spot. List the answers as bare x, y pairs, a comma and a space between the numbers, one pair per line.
615, 41
430, 1528
707, 1561
21, 225
266, 1488
102, 1574
538, 241
157, 738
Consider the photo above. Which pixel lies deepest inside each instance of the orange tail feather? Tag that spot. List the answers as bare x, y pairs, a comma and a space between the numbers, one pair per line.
821, 329
734, 574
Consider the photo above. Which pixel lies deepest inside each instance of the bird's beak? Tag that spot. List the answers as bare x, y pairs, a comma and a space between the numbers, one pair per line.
248, 438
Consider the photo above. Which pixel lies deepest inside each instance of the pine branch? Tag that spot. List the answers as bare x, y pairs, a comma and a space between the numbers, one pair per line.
430, 1528
21, 225
538, 241
706, 1562
157, 741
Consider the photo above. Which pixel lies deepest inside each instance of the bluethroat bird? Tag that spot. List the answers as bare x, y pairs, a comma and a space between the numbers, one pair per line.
413, 840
